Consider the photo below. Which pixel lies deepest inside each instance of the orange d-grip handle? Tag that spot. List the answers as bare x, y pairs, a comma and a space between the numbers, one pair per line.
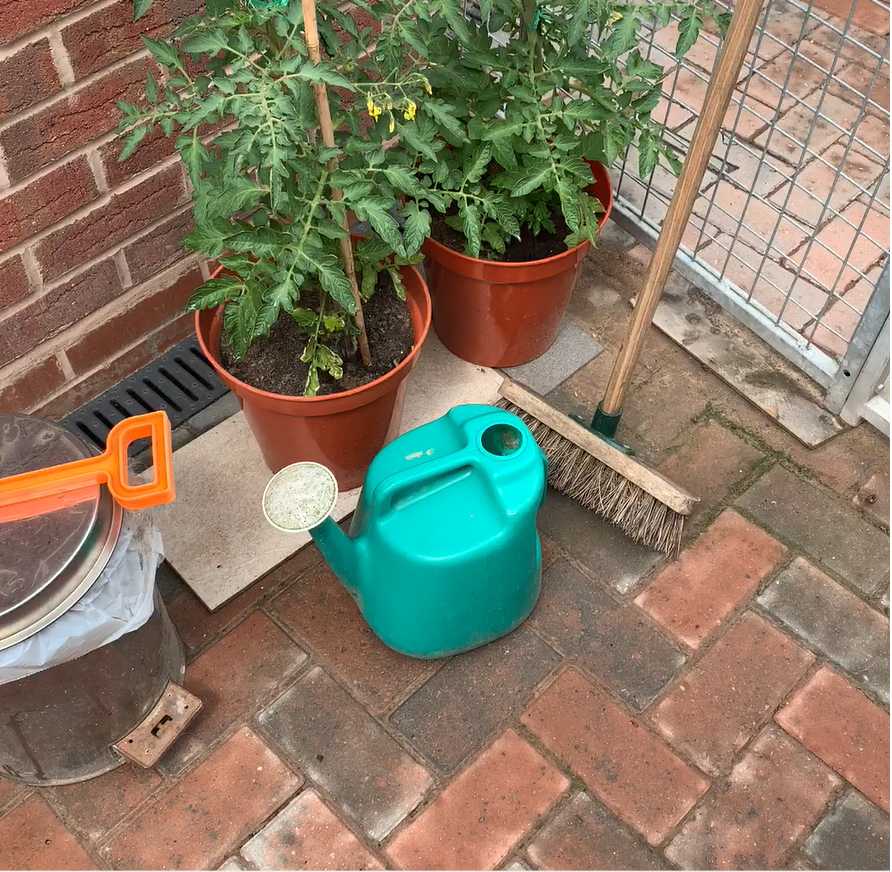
46, 490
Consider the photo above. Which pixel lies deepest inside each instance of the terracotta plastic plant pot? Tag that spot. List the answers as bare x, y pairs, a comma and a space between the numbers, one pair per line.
505, 314
343, 431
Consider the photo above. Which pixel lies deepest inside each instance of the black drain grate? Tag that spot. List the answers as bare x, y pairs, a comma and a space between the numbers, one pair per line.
181, 382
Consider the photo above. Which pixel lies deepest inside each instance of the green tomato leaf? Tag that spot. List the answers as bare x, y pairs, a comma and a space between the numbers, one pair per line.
369, 281
444, 115
335, 283
534, 176
140, 7
323, 73
471, 227
215, 292
135, 137
397, 280
210, 238
208, 42
417, 227
163, 52
689, 25
378, 214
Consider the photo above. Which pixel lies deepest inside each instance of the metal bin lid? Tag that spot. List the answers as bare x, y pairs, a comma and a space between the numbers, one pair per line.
49, 561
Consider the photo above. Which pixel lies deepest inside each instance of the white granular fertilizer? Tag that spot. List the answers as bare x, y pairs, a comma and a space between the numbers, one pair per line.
300, 496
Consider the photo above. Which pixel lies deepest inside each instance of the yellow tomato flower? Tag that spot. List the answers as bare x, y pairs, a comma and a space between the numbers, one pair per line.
427, 85
409, 114
392, 123
617, 16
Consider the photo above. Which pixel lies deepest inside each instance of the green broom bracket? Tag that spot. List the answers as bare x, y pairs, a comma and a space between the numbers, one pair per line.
604, 426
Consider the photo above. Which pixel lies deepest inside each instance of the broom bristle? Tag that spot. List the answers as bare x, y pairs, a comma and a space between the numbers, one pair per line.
604, 491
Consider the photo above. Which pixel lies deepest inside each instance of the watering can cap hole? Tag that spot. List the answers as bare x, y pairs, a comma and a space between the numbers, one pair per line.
300, 496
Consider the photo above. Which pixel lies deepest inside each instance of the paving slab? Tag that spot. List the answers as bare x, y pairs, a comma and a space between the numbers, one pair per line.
571, 350
368, 778
747, 365
610, 556
221, 475
833, 621
838, 538
853, 835
455, 712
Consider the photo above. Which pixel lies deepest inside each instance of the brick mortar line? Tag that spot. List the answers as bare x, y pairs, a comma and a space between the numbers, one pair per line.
12, 311
10, 48
74, 90
82, 377
7, 189
170, 780
330, 668
65, 338
60, 56
382, 720
367, 842
272, 742
621, 599
84, 212
578, 784
48, 796
778, 624
258, 606
802, 471
443, 778
864, 595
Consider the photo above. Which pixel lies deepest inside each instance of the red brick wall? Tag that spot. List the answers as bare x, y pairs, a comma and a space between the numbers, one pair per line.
92, 275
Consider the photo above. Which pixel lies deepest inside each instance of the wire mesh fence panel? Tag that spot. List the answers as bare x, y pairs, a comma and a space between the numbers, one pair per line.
791, 228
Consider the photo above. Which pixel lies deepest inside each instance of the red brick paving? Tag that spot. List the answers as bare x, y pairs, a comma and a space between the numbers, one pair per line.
201, 821
634, 773
711, 713
94, 807
845, 729
32, 837
479, 818
692, 596
232, 677
306, 834
772, 797
585, 835
320, 610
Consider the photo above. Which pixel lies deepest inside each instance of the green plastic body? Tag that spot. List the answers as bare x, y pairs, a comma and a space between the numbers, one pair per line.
443, 553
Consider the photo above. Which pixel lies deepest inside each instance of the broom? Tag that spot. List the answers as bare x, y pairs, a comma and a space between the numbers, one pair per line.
585, 462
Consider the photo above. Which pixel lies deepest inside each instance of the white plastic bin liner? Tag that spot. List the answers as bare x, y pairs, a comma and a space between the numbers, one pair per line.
118, 602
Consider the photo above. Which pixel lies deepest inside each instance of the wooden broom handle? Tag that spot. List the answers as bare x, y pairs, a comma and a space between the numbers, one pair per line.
718, 97
311, 35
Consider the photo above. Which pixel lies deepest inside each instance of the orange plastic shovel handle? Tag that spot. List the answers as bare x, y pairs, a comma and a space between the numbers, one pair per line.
47, 490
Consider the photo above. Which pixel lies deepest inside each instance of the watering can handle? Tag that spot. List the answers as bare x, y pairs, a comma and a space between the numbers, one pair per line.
416, 477
46, 490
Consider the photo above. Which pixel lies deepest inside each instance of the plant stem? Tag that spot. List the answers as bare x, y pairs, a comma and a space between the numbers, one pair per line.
311, 35
531, 26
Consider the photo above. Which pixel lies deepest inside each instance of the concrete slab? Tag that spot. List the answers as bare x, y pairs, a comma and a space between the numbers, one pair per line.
571, 350
749, 366
215, 535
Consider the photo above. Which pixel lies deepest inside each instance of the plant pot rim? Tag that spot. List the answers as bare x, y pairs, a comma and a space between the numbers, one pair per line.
526, 264
403, 364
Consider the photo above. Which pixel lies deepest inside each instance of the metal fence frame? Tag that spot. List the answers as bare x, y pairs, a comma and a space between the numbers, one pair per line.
836, 374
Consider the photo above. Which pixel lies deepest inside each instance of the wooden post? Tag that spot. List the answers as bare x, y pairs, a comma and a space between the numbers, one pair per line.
311, 34
718, 96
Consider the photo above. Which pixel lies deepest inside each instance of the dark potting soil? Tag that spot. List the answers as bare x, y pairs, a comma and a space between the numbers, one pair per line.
528, 247
273, 362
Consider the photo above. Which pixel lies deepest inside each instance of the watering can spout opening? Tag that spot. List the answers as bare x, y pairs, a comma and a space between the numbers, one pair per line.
300, 499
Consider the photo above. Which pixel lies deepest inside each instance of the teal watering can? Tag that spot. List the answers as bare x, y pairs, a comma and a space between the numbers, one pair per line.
443, 553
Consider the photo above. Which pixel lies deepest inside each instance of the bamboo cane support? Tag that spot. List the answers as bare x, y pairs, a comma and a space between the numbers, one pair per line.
320, 93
